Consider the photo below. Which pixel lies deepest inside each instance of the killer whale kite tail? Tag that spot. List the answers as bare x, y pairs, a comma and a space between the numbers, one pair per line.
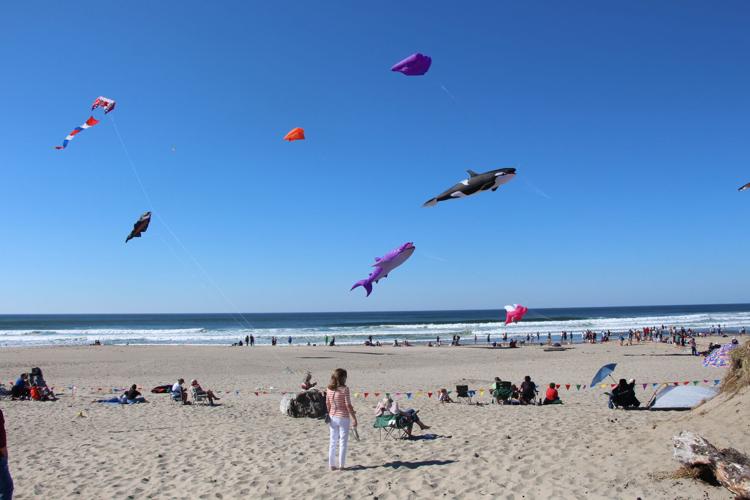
365, 284
430, 203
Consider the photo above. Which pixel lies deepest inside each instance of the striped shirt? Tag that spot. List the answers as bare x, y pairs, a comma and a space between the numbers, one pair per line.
338, 402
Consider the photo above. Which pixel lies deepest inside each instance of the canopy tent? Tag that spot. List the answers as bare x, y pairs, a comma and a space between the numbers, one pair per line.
682, 397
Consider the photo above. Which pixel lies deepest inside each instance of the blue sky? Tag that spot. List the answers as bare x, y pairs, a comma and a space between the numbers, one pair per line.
628, 123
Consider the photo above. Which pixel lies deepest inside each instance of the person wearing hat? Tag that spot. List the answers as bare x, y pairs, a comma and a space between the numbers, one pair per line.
624, 395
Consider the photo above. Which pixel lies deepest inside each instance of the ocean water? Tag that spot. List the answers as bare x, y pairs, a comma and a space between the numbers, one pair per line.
354, 327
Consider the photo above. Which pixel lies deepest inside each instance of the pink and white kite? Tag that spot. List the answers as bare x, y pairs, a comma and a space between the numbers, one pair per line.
515, 313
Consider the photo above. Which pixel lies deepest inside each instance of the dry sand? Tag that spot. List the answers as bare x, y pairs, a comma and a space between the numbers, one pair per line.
246, 448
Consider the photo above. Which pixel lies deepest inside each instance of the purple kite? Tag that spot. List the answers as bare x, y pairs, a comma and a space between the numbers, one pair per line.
414, 65
384, 265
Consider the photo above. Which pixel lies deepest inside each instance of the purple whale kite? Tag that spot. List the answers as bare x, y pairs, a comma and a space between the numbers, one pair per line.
414, 65
385, 264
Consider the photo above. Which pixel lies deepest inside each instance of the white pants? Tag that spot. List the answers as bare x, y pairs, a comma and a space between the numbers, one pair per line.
339, 432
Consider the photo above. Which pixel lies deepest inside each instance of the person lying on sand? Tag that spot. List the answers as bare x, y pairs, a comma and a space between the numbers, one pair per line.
199, 391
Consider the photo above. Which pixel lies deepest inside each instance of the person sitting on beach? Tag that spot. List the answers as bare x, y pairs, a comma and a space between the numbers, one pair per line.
443, 396
199, 391
134, 395
551, 397
307, 383
624, 395
501, 391
528, 391
21, 389
409, 417
178, 392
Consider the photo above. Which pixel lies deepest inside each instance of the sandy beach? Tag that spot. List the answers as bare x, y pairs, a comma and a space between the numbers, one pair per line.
245, 447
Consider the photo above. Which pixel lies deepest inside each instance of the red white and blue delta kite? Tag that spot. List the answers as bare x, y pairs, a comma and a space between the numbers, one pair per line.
105, 103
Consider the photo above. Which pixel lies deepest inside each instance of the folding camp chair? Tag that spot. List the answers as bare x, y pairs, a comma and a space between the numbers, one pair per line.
199, 396
462, 391
390, 425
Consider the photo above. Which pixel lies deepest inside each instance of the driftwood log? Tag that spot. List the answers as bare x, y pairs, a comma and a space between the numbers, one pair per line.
730, 467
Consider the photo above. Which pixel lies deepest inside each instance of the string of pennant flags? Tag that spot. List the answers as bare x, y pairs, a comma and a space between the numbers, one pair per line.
419, 393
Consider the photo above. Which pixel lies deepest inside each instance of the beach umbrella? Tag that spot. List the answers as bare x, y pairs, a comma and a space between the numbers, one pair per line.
721, 356
604, 372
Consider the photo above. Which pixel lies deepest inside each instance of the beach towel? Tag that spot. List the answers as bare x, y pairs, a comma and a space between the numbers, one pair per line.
122, 401
162, 389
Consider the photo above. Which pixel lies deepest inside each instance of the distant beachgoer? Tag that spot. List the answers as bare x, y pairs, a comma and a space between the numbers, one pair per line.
475, 338
132, 394
500, 391
488, 338
21, 389
326, 339
387, 405
528, 391
341, 414
333, 341
252, 340
443, 396
290, 340
247, 340
624, 395
239, 343
201, 392
178, 392
693, 347
307, 383
6, 482
551, 397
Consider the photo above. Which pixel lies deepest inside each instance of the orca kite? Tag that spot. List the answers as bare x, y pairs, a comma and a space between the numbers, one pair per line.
746, 186
139, 227
384, 265
476, 183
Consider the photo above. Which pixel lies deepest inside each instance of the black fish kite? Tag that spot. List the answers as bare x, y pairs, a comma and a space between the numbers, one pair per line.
139, 227
476, 183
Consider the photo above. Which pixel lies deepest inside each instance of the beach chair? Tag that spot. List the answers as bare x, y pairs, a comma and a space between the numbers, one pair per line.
390, 426
462, 391
199, 397
503, 392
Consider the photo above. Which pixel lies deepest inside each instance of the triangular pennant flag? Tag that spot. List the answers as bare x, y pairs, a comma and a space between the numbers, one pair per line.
695, 382
429, 394
398, 394
578, 387
676, 383
356, 394
256, 393
377, 394
686, 382
408, 395
419, 394
644, 386
716, 382
611, 385
472, 393
557, 386
654, 384
365, 394
705, 381
448, 392
388, 394
567, 387
584, 387
481, 392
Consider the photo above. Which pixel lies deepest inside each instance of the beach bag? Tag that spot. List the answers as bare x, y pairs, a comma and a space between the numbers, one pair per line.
36, 394
161, 389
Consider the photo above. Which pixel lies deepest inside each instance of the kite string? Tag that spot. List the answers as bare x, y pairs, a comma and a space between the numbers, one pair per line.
195, 261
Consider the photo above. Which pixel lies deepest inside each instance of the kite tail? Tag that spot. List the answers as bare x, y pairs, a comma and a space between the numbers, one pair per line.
430, 203
366, 284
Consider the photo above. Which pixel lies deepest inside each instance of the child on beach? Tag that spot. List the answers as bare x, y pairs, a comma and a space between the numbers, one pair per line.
551, 397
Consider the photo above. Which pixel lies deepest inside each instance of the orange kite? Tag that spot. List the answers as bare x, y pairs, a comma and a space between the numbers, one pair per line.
296, 134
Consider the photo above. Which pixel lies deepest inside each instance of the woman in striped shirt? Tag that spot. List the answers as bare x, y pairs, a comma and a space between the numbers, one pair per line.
340, 413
